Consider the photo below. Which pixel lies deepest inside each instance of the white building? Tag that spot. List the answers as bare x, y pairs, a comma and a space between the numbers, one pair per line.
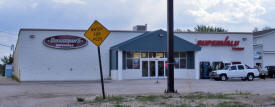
264, 50
66, 55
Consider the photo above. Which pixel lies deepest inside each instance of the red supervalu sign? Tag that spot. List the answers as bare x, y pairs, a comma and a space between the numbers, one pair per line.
65, 42
225, 42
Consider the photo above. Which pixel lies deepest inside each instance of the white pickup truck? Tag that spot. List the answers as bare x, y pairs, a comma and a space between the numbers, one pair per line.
235, 71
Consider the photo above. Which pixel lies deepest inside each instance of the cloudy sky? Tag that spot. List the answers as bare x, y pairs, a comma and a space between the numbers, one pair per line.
233, 15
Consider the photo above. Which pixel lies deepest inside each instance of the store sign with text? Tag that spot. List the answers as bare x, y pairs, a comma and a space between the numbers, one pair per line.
65, 42
225, 42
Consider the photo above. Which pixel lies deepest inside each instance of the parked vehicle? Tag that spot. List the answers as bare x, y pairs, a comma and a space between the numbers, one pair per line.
271, 71
235, 71
263, 72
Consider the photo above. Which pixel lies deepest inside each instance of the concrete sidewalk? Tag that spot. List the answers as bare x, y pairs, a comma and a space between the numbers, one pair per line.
7, 81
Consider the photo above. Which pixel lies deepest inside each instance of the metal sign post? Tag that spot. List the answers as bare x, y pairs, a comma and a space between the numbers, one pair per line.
97, 33
170, 29
101, 75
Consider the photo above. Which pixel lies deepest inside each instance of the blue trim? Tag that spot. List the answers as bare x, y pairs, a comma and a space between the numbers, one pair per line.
152, 41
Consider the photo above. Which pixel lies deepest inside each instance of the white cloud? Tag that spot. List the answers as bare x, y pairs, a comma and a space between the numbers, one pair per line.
34, 5
2, 2
69, 1
227, 11
151, 12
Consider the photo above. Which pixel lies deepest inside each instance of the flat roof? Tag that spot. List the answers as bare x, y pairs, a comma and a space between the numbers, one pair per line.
83, 30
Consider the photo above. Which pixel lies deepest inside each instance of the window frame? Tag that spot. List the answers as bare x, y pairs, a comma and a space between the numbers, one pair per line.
179, 58
132, 58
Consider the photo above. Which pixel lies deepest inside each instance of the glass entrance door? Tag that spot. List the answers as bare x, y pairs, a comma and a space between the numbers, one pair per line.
145, 68
161, 68
153, 69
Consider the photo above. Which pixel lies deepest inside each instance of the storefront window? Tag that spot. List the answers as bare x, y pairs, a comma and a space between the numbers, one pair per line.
129, 54
160, 55
180, 60
144, 55
152, 54
133, 61
176, 54
177, 63
129, 63
182, 63
182, 55
136, 55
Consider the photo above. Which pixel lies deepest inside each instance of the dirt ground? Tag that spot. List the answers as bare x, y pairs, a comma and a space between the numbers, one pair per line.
65, 94
196, 99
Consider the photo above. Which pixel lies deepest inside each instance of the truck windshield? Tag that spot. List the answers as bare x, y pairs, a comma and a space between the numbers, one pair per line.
226, 68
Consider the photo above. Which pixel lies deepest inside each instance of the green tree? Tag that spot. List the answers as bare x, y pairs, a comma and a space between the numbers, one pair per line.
266, 28
5, 60
203, 28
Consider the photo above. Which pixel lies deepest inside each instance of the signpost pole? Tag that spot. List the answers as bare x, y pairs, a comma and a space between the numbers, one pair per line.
101, 75
97, 33
170, 29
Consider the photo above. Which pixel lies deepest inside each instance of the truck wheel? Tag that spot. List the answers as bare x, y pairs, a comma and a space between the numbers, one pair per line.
250, 77
224, 77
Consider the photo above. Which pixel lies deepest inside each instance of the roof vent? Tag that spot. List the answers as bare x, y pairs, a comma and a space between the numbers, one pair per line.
140, 28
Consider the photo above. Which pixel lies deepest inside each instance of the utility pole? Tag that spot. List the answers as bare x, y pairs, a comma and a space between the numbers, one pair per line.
11, 47
170, 40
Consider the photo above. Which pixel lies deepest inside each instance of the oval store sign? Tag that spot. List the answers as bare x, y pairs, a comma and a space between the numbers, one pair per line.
65, 42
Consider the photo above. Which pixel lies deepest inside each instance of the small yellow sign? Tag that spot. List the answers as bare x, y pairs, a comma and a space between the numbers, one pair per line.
97, 33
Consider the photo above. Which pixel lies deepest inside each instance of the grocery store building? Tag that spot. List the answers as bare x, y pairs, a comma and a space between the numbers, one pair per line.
66, 55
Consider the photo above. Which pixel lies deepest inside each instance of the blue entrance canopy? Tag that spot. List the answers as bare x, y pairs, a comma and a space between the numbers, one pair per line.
155, 41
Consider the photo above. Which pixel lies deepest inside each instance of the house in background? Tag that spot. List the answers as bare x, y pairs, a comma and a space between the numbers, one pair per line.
264, 48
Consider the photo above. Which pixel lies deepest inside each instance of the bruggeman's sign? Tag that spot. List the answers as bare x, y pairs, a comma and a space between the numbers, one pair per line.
225, 42
65, 42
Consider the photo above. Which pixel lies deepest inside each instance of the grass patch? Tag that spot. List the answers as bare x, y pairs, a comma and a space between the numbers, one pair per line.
151, 98
207, 96
112, 99
166, 96
243, 93
231, 104
15, 78
181, 105
119, 105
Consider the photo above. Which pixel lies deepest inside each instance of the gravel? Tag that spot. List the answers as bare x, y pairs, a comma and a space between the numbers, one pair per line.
62, 94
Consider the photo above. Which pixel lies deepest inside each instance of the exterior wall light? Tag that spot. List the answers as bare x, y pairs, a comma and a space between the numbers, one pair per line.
32, 36
244, 39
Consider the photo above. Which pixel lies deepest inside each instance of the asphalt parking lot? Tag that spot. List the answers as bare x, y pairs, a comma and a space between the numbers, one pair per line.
59, 94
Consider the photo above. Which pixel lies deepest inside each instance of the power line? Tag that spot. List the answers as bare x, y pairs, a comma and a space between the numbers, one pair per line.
5, 45
11, 46
10, 33
13, 35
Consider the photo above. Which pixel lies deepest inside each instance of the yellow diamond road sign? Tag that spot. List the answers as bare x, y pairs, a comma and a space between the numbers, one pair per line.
97, 33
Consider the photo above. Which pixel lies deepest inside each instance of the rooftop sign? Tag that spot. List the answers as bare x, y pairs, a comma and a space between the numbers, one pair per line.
65, 42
